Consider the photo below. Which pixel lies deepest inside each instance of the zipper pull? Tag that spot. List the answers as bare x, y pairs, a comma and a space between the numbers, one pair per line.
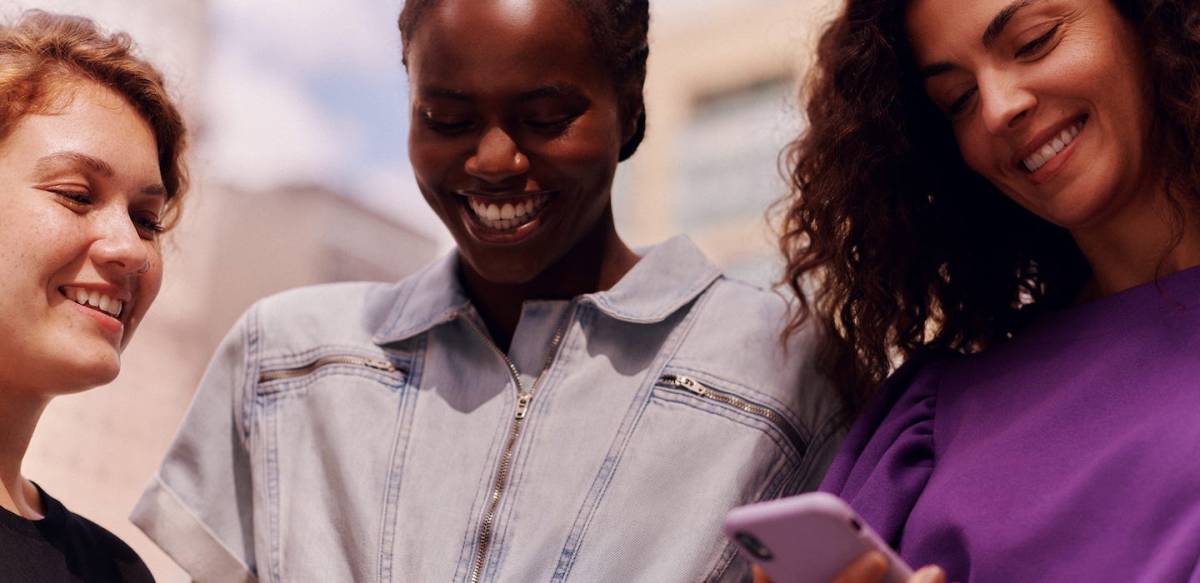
523, 400
380, 365
690, 384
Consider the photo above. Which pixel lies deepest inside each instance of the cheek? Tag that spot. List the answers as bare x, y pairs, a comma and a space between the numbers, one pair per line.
36, 243
151, 281
976, 151
432, 159
587, 152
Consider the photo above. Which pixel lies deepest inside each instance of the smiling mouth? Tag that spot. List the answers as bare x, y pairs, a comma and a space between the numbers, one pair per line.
1053, 147
95, 300
506, 214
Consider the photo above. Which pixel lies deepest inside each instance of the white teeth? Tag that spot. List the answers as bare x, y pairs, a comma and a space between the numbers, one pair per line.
1052, 148
507, 215
94, 299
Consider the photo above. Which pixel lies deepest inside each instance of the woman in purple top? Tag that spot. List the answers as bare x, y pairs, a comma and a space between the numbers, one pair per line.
1004, 194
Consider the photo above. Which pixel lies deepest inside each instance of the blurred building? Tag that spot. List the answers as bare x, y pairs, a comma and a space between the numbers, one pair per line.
722, 99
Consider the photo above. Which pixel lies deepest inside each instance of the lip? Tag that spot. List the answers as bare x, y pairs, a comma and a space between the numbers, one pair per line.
1047, 171
112, 327
484, 234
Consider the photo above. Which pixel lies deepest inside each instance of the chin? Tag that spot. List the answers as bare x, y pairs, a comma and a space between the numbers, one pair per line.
505, 269
91, 373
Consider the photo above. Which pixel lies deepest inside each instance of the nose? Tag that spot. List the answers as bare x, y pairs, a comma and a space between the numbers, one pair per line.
118, 248
497, 157
1005, 102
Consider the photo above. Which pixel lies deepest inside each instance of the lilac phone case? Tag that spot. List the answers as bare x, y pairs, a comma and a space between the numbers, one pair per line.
808, 538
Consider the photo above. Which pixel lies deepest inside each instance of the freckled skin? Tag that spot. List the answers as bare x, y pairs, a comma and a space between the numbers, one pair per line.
493, 53
1093, 66
49, 345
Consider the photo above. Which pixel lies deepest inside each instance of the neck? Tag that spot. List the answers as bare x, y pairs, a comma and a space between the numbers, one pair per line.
19, 415
596, 263
1144, 242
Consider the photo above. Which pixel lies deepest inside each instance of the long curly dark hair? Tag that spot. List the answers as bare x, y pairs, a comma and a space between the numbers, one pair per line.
903, 248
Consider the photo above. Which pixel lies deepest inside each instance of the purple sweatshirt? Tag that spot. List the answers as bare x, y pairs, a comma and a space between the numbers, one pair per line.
1070, 453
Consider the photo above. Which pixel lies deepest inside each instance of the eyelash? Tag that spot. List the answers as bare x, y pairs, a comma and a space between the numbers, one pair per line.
1037, 43
961, 103
456, 128
446, 128
146, 223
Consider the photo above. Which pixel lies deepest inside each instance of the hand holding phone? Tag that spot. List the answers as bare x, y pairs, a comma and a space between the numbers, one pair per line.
809, 538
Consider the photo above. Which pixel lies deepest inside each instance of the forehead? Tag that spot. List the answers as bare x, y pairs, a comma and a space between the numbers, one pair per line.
90, 119
938, 27
500, 43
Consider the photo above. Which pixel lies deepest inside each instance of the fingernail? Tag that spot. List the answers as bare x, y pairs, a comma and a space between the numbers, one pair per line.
929, 574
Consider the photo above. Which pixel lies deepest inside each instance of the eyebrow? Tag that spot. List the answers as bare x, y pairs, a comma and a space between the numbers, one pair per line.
68, 160
57, 160
549, 90
1001, 20
935, 69
993, 31
445, 93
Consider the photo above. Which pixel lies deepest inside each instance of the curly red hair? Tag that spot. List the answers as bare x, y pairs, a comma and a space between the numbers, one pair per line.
42, 53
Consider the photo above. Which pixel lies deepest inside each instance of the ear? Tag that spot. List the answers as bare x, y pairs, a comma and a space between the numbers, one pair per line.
631, 110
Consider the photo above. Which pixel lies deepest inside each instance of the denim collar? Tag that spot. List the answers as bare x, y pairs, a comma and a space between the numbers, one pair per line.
668, 276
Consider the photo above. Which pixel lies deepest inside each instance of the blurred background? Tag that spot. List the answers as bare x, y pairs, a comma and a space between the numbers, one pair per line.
298, 113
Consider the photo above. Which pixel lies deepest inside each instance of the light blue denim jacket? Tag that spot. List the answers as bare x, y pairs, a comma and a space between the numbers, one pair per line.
373, 432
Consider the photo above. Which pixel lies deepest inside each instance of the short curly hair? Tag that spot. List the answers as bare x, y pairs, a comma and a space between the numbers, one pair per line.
620, 35
879, 222
41, 53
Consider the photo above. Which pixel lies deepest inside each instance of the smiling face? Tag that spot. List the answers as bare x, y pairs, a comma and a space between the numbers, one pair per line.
1047, 99
516, 129
81, 195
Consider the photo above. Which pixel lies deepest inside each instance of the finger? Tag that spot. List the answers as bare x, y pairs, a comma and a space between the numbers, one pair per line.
760, 576
868, 568
929, 574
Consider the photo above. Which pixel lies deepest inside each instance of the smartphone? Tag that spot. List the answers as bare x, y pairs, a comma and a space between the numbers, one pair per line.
808, 538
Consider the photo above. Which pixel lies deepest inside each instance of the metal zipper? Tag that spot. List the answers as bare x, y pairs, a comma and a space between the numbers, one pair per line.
291, 373
524, 398
699, 389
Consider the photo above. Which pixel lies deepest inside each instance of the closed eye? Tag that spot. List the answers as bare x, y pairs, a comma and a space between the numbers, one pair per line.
448, 126
1038, 43
552, 123
960, 104
149, 224
75, 197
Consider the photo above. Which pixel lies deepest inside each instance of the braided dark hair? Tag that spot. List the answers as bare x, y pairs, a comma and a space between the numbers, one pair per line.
619, 30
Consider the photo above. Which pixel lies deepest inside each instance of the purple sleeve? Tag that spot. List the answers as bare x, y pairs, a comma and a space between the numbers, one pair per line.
888, 455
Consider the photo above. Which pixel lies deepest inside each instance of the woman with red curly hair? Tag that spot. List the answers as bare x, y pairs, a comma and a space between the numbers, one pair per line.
1004, 194
91, 174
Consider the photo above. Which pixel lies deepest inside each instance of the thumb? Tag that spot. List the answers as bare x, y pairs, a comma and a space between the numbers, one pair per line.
759, 576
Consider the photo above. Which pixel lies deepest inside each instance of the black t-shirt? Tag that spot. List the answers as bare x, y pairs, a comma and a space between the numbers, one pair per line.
64, 547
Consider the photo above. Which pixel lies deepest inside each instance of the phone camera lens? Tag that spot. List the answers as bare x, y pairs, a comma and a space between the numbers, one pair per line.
754, 546
855, 524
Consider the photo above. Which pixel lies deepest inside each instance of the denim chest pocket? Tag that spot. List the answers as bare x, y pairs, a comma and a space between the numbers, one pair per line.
699, 447
282, 378
720, 398
323, 439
